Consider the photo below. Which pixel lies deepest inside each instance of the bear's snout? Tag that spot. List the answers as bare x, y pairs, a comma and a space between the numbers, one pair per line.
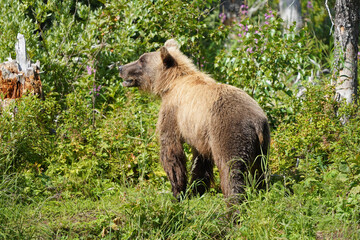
131, 74
129, 81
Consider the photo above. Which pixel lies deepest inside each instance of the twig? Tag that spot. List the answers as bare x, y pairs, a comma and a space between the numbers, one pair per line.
256, 6
67, 33
332, 22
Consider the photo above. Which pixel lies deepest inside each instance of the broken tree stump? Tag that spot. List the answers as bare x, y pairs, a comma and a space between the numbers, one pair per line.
19, 77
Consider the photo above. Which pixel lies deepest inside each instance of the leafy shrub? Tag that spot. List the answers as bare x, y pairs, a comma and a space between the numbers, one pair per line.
317, 145
265, 61
310, 133
26, 140
119, 146
67, 36
25, 134
14, 21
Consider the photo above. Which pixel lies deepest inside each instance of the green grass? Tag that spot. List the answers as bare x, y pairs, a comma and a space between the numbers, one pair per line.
150, 212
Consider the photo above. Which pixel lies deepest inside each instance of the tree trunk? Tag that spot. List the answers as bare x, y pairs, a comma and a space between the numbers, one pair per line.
290, 12
230, 10
346, 49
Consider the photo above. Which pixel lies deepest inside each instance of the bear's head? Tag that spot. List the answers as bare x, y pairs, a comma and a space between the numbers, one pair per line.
151, 71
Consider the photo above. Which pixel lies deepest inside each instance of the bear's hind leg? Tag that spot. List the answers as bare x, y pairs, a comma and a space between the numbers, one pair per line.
232, 178
201, 173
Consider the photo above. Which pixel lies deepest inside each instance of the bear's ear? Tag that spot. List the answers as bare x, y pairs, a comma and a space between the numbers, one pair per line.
167, 59
171, 43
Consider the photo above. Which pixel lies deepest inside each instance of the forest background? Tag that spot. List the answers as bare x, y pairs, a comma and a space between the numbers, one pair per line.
84, 162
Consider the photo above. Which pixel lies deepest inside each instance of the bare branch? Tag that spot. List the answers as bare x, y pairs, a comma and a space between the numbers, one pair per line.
259, 4
332, 22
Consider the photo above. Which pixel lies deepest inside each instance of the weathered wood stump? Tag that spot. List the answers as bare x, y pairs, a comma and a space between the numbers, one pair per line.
19, 77
15, 83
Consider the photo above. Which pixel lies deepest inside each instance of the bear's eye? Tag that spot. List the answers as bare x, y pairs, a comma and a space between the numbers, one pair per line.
142, 60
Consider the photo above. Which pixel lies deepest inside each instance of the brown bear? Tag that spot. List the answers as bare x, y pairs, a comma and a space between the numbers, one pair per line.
223, 125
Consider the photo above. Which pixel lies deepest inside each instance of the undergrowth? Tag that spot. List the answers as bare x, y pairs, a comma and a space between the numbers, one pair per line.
307, 211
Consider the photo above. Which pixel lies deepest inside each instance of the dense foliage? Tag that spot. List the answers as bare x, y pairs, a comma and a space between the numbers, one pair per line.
83, 163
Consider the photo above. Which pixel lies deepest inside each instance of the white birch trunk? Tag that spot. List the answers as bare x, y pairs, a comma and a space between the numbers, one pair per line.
290, 12
347, 21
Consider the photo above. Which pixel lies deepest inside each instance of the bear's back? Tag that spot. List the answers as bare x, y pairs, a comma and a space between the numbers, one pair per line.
204, 107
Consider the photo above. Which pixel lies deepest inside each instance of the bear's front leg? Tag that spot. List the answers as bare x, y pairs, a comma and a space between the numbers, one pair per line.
172, 154
174, 162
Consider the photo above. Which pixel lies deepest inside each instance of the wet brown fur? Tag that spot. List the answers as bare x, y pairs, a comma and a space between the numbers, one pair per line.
223, 125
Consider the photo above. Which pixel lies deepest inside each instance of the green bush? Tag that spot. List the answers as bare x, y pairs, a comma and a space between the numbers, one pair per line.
265, 62
317, 145
26, 139
119, 146
25, 134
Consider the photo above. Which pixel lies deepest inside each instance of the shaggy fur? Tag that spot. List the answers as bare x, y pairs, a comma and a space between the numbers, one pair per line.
223, 125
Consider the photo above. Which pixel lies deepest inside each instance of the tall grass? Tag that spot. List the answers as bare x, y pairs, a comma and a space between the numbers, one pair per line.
150, 212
